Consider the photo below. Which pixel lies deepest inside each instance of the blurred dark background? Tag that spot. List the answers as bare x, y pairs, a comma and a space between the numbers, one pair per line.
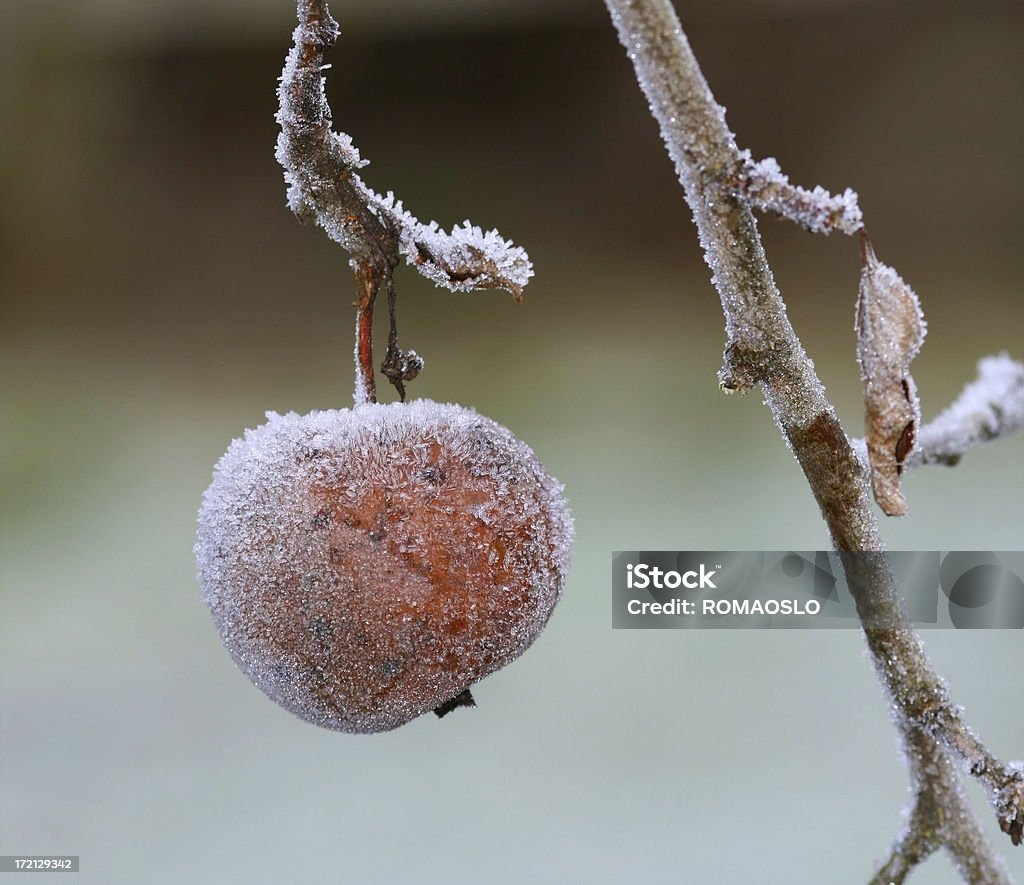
156, 297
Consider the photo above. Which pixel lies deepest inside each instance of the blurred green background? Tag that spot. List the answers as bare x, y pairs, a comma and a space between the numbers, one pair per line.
156, 297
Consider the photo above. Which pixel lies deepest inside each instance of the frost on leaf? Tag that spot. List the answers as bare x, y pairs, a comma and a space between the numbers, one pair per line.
890, 331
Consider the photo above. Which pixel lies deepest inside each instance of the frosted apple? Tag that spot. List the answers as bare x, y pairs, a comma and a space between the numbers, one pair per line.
368, 565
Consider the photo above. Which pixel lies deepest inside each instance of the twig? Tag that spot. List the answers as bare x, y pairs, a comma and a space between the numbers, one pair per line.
989, 407
368, 281
761, 345
324, 187
923, 711
818, 211
762, 348
939, 815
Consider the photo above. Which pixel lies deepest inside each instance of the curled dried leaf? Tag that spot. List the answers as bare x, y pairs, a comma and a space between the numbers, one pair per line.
890, 331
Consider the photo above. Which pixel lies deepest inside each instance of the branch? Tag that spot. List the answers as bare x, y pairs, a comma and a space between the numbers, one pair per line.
989, 407
324, 187
762, 348
939, 815
818, 211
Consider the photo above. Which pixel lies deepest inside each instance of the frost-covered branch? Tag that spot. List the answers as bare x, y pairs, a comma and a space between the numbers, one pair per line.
321, 171
762, 348
939, 814
930, 722
768, 188
989, 407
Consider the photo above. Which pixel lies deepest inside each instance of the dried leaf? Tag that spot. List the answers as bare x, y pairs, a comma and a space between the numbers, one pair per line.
890, 330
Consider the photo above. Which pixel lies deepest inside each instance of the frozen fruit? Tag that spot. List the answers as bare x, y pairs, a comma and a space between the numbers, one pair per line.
369, 565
